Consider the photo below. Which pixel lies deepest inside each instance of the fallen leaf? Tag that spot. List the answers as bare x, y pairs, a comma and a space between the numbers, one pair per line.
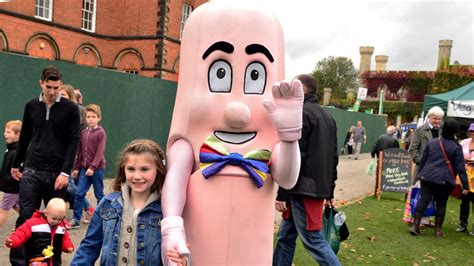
371, 238
353, 250
361, 228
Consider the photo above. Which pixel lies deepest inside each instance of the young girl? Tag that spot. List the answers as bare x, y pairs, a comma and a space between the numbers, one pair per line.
126, 223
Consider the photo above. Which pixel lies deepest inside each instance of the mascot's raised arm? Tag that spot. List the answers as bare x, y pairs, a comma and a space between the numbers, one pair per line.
234, 131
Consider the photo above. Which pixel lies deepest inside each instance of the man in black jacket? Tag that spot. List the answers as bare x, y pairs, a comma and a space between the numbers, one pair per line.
48, 143
385, 141
302, 206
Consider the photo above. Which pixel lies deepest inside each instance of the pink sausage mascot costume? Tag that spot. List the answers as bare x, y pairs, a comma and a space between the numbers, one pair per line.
234, 131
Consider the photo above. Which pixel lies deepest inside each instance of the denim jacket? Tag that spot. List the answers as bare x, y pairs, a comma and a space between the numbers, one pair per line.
104, 232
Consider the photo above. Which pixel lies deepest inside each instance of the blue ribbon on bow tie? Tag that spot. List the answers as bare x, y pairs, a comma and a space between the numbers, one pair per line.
214, 156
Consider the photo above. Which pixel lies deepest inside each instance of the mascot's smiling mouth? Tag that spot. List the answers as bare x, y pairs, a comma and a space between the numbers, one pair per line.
234, 138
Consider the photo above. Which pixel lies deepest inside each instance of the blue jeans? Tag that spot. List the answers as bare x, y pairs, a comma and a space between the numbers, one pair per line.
71, 191
313, 241
83, 185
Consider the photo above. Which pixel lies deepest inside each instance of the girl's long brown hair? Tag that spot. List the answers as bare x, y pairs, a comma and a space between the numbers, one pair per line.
137, 147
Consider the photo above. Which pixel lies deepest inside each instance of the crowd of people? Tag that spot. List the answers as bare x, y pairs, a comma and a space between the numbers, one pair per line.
54, 155
57, 152
441, 161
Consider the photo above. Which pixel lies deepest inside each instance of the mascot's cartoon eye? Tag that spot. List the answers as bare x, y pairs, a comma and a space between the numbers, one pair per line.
255, 78
220, 76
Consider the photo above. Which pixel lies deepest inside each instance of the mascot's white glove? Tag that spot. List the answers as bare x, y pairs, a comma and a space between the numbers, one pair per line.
286, 111
173, 238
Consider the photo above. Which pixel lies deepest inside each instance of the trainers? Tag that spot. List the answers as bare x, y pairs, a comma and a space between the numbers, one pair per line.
75, 224
89, 212
461, 228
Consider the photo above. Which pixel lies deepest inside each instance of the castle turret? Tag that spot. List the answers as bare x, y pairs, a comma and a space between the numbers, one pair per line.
444, 55
381, 63
365, 58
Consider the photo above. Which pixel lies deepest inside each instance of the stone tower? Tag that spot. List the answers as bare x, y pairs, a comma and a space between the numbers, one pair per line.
381, 63
444, 55
365, 58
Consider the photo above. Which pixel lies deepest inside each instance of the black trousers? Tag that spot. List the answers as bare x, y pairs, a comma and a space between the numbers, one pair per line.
349, 149
35, 186
440, 195
464, 208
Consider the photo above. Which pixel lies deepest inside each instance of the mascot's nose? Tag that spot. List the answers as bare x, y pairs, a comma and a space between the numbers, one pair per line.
236, 115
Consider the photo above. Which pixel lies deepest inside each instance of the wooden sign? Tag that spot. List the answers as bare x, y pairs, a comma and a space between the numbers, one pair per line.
394, 171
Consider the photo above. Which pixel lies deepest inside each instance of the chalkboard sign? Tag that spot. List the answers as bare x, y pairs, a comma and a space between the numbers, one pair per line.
394, 171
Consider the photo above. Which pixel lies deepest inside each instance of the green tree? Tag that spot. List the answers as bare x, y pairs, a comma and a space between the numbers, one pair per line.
337, 73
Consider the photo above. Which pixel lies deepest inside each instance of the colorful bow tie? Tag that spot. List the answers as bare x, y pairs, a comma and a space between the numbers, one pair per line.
214, 156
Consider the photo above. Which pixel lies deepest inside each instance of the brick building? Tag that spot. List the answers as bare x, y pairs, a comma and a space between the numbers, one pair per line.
410, 87
139, 37
400, 85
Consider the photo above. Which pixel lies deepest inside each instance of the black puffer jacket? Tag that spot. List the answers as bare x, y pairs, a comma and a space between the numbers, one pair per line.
319, 158
384, 142
7, 183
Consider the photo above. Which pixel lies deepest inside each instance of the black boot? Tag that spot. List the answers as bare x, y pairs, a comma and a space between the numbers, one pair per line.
438, 224
415, 228
462, 227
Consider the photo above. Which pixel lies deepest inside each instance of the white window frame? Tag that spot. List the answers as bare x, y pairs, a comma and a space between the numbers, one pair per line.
132, 71
92, 13
185, 12
47, 11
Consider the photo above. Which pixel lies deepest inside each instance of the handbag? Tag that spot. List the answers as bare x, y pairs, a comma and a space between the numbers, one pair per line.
334, 228
457, 190
343, 150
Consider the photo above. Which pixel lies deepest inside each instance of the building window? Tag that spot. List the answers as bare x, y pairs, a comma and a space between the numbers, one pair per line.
131, 71
88, 15
185, 12
44, 9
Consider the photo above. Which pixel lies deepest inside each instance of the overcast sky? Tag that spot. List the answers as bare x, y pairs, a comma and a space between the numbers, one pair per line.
407, 31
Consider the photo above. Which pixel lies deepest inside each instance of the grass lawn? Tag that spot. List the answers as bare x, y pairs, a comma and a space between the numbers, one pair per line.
378, 236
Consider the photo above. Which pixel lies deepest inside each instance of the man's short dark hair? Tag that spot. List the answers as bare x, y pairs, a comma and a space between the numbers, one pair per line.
51, 73
309, 82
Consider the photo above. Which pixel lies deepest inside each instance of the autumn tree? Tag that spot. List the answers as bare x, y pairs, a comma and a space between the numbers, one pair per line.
337, 73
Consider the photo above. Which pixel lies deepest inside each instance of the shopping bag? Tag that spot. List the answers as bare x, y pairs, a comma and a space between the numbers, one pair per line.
407, 217
415, 198
334, 228
343, 150
371, 167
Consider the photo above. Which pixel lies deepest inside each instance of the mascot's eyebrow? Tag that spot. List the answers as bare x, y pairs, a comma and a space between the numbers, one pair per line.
222, 46
258, 48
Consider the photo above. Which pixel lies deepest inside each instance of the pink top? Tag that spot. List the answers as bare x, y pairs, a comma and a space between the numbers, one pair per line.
465, 143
